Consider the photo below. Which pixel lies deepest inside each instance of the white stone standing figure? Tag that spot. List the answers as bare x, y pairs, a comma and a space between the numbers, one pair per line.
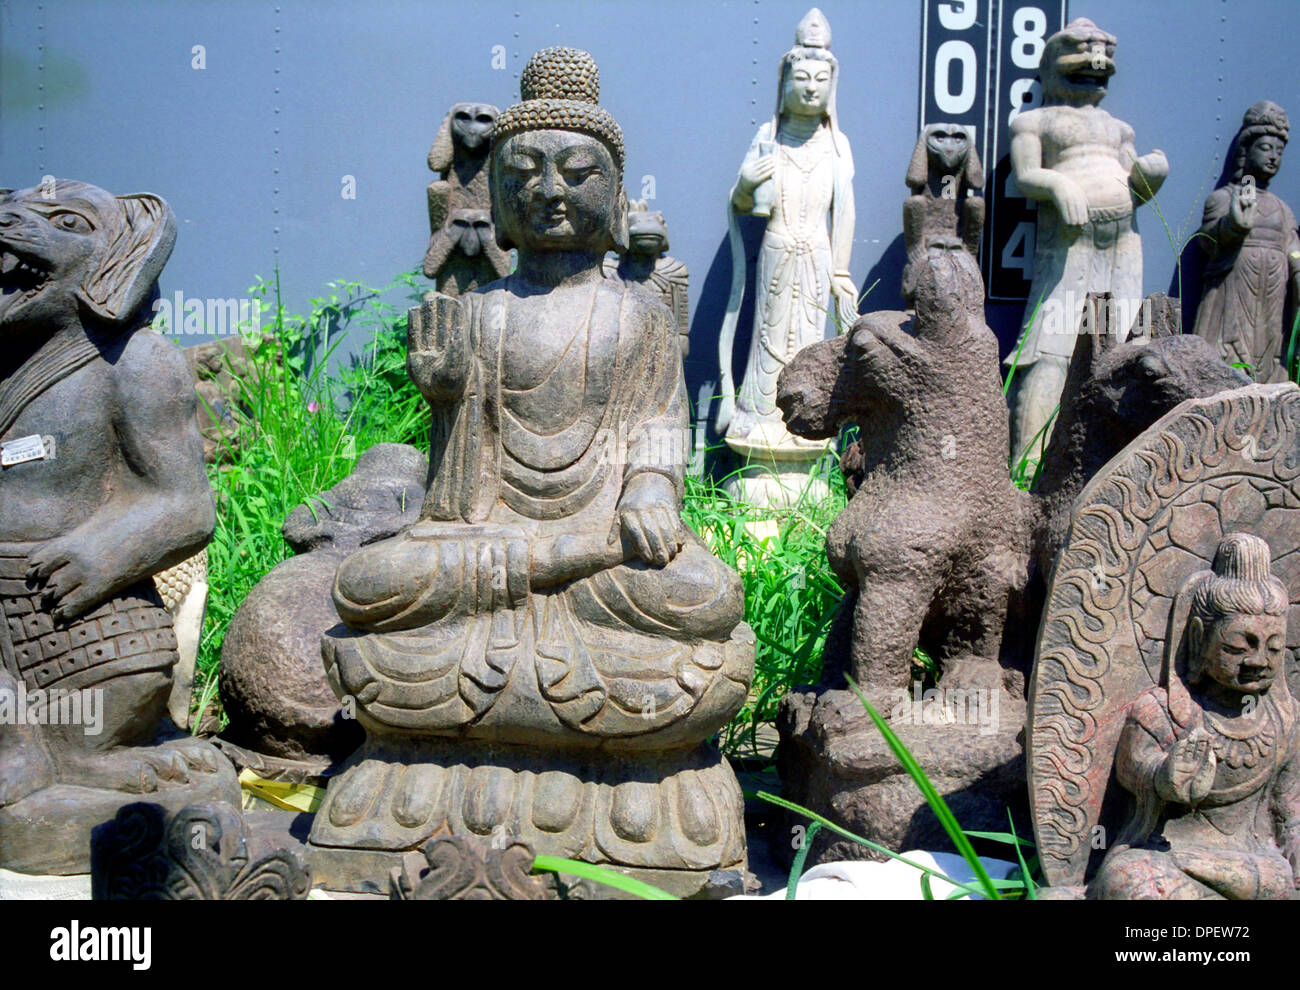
1082, 167
798, 174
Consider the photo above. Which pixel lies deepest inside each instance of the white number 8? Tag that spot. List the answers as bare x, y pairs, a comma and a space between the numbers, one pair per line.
1029, 23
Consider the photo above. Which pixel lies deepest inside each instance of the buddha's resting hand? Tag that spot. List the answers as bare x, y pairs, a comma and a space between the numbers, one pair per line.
1187, 774
649, 520
1070, 201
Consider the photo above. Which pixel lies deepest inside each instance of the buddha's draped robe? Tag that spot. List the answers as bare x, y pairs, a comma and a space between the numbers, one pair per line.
444, 615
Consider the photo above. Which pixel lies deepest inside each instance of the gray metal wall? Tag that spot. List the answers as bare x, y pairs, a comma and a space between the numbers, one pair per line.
252, 150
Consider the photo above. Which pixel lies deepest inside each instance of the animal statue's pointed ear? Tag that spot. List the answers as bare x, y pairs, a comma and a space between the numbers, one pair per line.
129, 267
443, 151
974, 169
918, 169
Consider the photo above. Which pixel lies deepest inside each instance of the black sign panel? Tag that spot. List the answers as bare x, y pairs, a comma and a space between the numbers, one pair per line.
957, 65
1022, 30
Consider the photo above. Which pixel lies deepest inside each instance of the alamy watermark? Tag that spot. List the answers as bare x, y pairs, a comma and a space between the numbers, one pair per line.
180, 315
975, 707
53, 706
1072, 315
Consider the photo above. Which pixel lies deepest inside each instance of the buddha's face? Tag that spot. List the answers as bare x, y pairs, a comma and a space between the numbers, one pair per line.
556, 191
807, 88
1264, 157
1244, 653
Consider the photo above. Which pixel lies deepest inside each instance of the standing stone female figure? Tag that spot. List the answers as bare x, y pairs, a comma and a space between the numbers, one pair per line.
798, 174
1250, 237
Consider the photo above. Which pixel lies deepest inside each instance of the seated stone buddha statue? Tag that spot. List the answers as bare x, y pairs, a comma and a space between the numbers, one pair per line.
544, 653
1210, 757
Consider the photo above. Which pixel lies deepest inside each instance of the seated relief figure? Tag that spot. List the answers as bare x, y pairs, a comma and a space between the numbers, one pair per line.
102, 486
545, 652
1210, 754
1162, 737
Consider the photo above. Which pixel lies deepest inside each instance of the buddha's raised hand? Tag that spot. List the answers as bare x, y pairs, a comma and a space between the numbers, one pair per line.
1187, 774
437, 348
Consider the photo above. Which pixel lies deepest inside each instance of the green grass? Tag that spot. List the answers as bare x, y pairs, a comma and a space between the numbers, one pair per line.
791, 593
302, 427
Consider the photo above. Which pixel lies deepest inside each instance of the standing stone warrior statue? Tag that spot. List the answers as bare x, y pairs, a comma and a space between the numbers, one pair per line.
798, 175
646, 261
1163, 747
102, 486
463, 253
1080, 163
1254, 251
946, 178
546, 651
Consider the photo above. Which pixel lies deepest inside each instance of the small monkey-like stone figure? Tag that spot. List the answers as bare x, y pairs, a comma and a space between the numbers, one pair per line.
1254, 268
102, 486
463, 252
1210, 755
646, 261
1082, 166
946, 177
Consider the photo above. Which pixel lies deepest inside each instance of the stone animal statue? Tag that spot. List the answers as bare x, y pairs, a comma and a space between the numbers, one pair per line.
646, 261
934, 542
946, 178
285, 721
103, 486
1114, 390
463, 252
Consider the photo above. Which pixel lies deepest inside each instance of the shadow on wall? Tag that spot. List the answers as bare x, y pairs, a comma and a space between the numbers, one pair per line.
886, 276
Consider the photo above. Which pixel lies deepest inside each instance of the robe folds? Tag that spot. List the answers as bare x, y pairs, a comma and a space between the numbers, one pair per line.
448, 633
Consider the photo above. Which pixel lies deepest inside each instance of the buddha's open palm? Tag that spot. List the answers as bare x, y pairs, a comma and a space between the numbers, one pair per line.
1187, 774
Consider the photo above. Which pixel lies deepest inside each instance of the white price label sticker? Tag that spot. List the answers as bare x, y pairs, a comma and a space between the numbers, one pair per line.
31, 448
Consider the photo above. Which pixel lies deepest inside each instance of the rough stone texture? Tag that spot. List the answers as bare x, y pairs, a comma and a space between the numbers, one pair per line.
461, 868
201, 853
545, 653
119, 495
285, 721
646, 261
946, 179
463, 253
1082, 167
933, 543
798, 174
1133, 690
1252, 279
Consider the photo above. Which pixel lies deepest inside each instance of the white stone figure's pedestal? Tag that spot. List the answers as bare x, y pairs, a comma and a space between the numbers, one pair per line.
777, 475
